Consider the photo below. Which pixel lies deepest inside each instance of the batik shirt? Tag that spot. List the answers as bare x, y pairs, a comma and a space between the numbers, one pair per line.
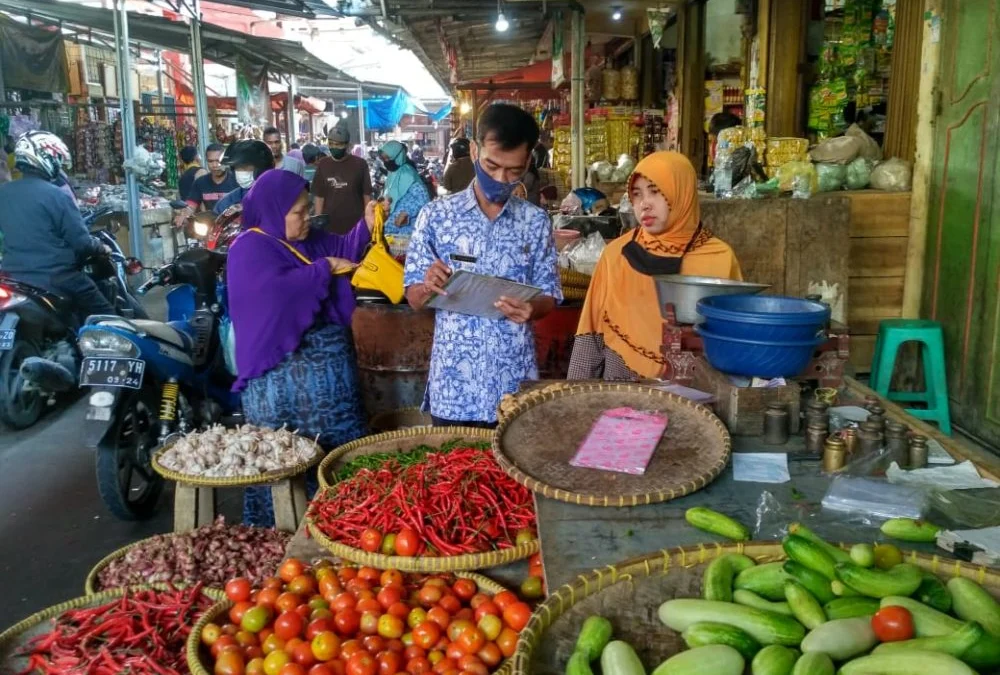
476, 361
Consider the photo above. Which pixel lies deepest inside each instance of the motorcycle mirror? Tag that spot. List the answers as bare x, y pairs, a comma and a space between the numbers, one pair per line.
133, 266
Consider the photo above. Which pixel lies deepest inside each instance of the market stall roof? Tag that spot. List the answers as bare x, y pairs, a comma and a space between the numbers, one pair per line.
220, 45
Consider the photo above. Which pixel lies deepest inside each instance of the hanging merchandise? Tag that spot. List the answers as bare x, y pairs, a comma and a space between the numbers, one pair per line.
657, 23
595, 136
593, 81
630, 83
558, 61
611, 84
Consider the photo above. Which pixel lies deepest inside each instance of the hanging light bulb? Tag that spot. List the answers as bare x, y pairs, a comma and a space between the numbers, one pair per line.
501, 24
616, 13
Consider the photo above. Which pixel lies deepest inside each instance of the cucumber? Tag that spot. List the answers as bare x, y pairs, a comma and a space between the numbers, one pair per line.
618, 658
932, 593
751, 599
928, 622
907, 529
903, 579
578, 664
708, 633
841, 639
838, 554
804, 606
849, 608
956, 644
862, 554
842, 591
767, 581
715, 659
816, 663
908, 663
809, 555
717, 582
594, 637
814, 582
972, 603
716, 523
765, 627
774, 660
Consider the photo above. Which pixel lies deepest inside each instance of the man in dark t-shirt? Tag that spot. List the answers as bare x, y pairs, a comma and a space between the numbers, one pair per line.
207, 190
191, 170
342, 186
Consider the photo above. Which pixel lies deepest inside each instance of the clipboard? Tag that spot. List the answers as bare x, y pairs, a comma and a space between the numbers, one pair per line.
475, 294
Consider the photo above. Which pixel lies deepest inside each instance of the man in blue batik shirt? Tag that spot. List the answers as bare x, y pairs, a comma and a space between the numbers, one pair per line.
476, 361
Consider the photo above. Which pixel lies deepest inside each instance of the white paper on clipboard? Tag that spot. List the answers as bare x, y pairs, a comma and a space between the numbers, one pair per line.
476, 294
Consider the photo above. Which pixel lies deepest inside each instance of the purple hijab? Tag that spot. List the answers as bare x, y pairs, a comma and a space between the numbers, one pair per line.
274, 296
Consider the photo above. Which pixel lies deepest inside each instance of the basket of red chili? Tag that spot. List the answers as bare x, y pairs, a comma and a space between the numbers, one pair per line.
422, 500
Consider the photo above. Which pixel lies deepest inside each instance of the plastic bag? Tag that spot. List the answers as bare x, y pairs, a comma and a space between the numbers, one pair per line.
875, 498
803, 187
892, 175
858, 175
768, 187
624, 169
144, 164
626, 214
602, 171
830, 177
840, 150
571, 205
787, 173
583, 255
869, 149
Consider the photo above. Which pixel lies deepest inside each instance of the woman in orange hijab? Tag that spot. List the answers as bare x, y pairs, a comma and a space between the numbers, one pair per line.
621, 332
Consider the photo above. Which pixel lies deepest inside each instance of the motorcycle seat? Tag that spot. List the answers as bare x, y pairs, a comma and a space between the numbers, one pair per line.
162, 332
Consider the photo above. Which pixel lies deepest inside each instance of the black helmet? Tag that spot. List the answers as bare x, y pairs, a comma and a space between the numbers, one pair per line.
255, 153
460, 148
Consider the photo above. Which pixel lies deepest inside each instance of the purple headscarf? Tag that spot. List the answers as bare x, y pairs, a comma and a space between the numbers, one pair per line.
275, 297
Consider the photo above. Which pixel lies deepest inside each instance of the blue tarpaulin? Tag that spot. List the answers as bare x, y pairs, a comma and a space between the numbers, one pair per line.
385, 112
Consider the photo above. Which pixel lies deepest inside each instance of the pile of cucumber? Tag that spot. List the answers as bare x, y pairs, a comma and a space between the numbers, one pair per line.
812, 614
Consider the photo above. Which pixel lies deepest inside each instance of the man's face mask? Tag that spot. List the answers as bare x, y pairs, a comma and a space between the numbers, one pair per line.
337, 152
244, 178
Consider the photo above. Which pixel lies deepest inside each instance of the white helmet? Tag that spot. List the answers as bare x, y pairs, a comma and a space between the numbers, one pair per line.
42, 152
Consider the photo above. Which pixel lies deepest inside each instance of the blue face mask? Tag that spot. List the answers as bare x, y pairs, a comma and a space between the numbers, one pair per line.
494, 190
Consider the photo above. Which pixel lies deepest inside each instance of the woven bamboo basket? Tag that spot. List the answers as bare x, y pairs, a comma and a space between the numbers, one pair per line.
403, 441
574, 279
196, 655
629, 594
17, 635
541, 432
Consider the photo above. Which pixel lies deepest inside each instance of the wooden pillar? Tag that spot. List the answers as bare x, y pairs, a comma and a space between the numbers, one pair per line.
691, 80
786, 50
904, 82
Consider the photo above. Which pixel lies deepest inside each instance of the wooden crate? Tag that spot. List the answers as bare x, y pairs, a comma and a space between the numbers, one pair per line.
741, 409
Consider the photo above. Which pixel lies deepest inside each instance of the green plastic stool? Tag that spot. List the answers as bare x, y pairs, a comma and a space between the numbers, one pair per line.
892, 333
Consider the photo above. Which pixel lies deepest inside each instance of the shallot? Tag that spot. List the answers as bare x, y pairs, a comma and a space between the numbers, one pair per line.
218, 452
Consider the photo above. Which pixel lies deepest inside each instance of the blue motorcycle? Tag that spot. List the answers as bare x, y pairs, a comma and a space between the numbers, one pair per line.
151, 380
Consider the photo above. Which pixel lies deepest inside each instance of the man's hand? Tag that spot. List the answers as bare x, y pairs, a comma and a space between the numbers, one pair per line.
181, 220
517, 311
437, 276
370, 215
402, 219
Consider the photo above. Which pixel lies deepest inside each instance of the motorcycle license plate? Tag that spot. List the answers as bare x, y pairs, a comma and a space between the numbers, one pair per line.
101, 372
8, 331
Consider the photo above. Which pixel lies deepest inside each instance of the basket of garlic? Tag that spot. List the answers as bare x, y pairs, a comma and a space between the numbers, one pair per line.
240, 456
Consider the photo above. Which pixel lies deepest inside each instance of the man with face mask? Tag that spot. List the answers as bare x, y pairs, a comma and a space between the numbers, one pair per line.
475, 361
342, 186
247, 160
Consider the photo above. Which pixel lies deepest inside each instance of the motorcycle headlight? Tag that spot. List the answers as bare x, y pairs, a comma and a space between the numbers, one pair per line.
200, 229
105, 342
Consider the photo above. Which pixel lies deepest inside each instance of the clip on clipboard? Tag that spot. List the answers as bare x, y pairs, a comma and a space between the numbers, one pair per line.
476, 294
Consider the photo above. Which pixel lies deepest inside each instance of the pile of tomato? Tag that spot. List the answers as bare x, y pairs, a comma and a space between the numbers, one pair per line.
329, 620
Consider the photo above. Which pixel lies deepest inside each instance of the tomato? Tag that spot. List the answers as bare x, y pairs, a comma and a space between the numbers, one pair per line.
318, 626
347, 622
887, 556
535, 560
369, 623
390, 626
369, 574
478, 599
350, 648
357, 585
445, 664
303, 655
455, 628
325, 646
491, 626
304, 585
525, 536
338, 666
238, 590
471, 640
389, 663
292, 669
407, 543
466, 614
329, 587
345, 600
287, 602
246, 639
316, 614
238, 610
426, 634
318, 602
264, 634
304, 612
369, 605
255, 666
503, 599
288, 625
464, 589
490, 655
531, 588
361, 663
454, 652
345, 574
224, 642
273, 582
892, 624
371, 540
413, 652
254, 652
516, 615
320, 669
450, 604
210, 633
416, 617
275, 661
439, 616
392, 578
507, 642
389, 596
273, 643
487, 607
292, 643
396, 646
256, 619
268, 596
430, 595
471, 664
400, 610
229, 663
290, 569
388, 545
418, 666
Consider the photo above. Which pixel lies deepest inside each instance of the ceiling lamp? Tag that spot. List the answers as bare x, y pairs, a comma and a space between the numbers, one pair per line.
616, 13
502, 25
464, 108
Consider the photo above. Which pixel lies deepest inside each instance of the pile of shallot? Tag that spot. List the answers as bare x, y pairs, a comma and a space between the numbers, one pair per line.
219, 452
211, 554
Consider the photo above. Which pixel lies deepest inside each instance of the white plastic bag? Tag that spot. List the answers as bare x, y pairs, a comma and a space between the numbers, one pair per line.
840, 150
583, 256
870, 149
892, 175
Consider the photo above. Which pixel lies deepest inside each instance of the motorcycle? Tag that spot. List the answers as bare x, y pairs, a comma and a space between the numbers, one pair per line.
150, 380
38, 352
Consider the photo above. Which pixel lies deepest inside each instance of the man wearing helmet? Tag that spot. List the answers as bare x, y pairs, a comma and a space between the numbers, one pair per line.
247, 160
45, 240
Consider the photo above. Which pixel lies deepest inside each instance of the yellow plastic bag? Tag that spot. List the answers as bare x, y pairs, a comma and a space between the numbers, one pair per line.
379, 271
787, 174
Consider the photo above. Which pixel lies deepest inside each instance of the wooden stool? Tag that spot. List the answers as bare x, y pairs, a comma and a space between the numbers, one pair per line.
195, 505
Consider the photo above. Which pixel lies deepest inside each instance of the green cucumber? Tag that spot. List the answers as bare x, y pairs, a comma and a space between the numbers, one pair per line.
715, 659
717, 582
932, 592
862, 554
774, 660
814, 582
842, 591
578, 664
767, 581
902, 579
618, 658
809, 554
849, 608
907, 529
971, 602
928, 622
765, 627
838, 554
716, 523
804, 606
955, 644
897, 663
594, 637
816, 663
841, 639
751, 599
709, 633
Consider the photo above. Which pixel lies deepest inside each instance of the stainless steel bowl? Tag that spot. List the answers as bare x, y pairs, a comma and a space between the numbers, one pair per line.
685, 291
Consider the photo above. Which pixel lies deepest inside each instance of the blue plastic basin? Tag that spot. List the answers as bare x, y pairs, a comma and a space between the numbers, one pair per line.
756, 358
771, 318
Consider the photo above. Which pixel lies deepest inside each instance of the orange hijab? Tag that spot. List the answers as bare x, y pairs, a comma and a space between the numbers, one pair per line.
621, 303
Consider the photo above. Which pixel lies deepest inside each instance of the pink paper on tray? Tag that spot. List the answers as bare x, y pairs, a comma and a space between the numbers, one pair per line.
622, 439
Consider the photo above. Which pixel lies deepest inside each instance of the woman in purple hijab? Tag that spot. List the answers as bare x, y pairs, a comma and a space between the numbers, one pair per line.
291, 307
